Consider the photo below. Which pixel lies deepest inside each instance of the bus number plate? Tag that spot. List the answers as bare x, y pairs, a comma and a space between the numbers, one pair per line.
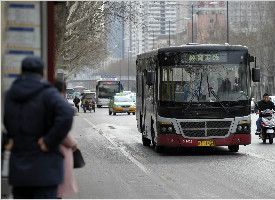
206, 143
125, 109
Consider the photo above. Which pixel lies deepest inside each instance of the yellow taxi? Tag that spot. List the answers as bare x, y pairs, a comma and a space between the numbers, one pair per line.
121, 104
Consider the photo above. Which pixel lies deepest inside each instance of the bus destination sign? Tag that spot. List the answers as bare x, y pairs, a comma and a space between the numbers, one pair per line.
203, 58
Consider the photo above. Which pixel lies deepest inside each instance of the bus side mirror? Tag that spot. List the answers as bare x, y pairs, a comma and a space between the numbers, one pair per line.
256, 74
150, 78
251, 59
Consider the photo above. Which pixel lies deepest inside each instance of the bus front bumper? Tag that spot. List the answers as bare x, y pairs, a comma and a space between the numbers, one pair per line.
179, 140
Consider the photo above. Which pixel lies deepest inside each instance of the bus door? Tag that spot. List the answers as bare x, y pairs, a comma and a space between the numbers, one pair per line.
142, 100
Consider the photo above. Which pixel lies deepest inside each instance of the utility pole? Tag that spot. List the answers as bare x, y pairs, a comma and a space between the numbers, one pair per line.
227, 22
128, 66
169, 35
192, 25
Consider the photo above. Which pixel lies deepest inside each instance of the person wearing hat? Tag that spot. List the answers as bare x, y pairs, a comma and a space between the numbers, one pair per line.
37, 119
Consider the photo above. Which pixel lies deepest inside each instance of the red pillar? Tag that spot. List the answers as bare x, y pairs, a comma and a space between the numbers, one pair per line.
50, 5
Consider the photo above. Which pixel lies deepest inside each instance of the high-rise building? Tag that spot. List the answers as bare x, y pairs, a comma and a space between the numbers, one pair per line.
153, 24
157, 18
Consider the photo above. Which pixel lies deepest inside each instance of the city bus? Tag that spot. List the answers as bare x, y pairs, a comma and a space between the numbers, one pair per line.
195, 95
105, 89
69, 93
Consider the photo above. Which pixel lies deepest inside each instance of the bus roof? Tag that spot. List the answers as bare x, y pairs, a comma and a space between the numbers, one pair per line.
104, 80
193, 47
79, 86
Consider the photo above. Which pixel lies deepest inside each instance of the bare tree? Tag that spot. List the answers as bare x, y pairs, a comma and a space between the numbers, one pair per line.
86, 34
260, 41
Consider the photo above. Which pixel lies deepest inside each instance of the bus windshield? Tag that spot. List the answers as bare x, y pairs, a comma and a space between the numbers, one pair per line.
107, 89
204, 83
69, 90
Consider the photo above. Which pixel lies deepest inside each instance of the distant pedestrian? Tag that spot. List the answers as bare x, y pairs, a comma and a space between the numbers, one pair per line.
37, 120
76, 102
69, 144
83, 102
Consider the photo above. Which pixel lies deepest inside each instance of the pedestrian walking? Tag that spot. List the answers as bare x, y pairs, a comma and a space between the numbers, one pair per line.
83, 102
37, 120
69, 144
76, 102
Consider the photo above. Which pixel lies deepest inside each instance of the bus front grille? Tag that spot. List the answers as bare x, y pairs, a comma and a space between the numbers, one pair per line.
205, 129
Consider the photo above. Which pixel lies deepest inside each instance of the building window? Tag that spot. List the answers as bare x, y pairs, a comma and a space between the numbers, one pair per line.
211, 20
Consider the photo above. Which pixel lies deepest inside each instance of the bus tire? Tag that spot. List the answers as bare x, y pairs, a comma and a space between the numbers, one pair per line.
146, 141
128, 113
114, 113
110, 112
158, 149
134, 113
271, 138
234, 148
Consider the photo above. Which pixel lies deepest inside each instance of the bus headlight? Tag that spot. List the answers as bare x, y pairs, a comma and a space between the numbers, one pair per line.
165, 128
244, 126
240, 128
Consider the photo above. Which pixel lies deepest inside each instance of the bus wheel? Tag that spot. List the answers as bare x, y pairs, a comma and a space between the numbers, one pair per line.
158, 149
234, 148
146, 141
134, 113
114, 113
110, 112
271, 138
128, 113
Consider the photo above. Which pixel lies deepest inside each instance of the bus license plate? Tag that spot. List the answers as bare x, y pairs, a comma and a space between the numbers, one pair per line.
206, 143
125, 109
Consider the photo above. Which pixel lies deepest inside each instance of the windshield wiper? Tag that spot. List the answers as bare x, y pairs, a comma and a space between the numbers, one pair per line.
193, 96
210, 90
218, 99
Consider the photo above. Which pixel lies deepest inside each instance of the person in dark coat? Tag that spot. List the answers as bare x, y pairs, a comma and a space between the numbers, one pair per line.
76, 102
37, 119
261, 106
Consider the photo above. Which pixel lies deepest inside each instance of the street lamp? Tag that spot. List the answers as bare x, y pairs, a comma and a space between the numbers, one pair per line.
128, 65
192, 25
227, 25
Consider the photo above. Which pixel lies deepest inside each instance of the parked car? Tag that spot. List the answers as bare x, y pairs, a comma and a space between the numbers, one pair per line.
121, 104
